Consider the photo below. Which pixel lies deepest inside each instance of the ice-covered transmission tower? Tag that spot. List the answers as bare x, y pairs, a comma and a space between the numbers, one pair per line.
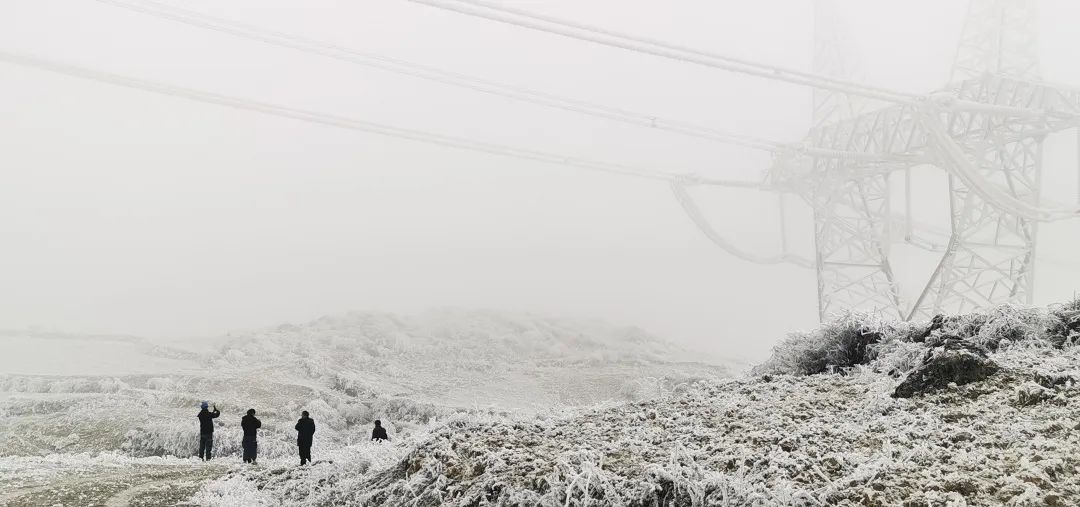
992, 155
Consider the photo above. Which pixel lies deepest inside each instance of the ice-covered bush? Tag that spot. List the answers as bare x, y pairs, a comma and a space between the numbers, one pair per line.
896, 347
1063, 324
997, 327
850, 339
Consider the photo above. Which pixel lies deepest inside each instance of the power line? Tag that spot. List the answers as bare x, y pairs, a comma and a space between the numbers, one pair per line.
396, 65
656, 42
694, 212
349, 55
355, 124
580, 31
550, 24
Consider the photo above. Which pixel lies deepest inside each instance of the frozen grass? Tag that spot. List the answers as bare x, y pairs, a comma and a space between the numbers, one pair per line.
792, 440
787, 436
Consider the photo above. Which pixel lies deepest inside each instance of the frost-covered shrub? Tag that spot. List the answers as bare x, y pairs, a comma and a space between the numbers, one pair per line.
1001, 326
896, 357
895, 347
1063, 324
848, 340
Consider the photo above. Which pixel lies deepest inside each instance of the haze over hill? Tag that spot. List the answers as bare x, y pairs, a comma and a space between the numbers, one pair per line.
130, 394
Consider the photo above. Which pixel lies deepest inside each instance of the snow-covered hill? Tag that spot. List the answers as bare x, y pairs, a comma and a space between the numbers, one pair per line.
469, 358
972, 410
346, 370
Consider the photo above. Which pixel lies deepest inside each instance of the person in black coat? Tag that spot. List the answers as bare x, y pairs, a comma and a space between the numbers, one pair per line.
379, 433
250, 443
206, 430
305, 431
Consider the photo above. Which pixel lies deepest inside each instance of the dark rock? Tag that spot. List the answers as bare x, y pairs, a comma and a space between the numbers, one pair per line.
955, 361
935, 324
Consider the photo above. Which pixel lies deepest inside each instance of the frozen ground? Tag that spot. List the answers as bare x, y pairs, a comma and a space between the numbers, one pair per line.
780, 437
820, 423
102, 480
90, 415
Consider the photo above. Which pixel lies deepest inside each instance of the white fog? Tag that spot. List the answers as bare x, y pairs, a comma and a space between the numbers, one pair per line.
159, 251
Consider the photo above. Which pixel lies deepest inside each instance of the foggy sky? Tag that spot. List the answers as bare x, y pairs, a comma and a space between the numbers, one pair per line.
128, 212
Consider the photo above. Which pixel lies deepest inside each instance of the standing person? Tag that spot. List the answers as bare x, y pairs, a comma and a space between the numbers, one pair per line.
206, 430
379, 433
305, 430
250, 443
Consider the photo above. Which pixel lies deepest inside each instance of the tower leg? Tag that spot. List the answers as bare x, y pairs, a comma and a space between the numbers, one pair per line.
851, 232
991, 255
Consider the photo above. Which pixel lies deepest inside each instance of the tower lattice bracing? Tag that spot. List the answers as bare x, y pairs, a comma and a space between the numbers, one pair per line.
851, 214
991, 255
992, 155
999, 37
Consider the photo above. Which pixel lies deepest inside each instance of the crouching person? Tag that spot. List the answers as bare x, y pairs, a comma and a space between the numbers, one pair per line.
379, 433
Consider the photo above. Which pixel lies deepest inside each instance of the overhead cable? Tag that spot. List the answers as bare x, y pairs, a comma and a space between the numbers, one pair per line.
694, 212
399, 66
526, 19
572, 29
355, 124
958, 164
396, 65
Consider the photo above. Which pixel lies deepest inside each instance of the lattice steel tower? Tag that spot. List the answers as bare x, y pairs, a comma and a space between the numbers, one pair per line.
993, 157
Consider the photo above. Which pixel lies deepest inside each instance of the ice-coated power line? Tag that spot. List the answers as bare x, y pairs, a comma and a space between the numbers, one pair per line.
399, 66
355, 124
580, 31
677, 47
694, 212
396, 65
566, 28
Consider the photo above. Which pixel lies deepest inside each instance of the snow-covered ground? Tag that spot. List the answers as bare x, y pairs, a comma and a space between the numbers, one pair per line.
785, 436
77, 408
569, 413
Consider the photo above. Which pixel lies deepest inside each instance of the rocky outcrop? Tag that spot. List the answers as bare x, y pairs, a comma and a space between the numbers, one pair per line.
953, 362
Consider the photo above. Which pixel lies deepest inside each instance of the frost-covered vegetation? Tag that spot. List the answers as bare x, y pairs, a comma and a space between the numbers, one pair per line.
856, 339
823, 422
347, 371
975, 409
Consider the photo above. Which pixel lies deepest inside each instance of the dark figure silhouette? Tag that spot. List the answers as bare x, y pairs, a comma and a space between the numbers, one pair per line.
250, 443
206, 431
379, 433
305, 430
